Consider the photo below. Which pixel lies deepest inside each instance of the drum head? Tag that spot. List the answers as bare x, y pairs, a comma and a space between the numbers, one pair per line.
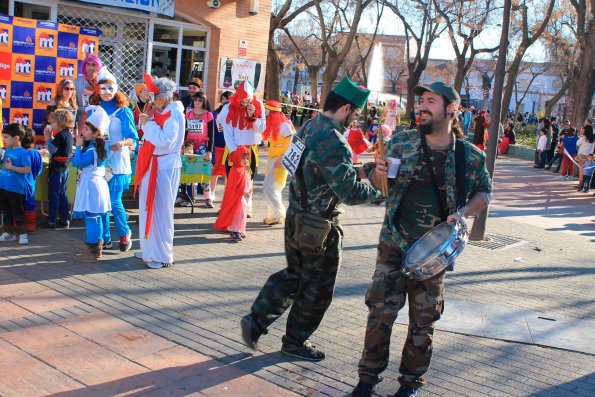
430, 244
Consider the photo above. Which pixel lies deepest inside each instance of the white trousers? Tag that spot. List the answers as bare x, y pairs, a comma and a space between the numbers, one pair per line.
160, 245
272, 192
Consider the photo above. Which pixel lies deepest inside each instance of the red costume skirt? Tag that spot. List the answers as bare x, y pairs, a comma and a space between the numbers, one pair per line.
218, 167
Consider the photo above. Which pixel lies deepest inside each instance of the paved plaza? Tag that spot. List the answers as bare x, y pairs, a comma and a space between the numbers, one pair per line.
519, 319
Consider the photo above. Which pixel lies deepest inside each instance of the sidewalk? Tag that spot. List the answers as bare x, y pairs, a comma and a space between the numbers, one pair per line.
116, 328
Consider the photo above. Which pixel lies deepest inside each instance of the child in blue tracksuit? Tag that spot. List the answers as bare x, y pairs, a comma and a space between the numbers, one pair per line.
587, 168
29, 204
59, 143
92, 201
15, 165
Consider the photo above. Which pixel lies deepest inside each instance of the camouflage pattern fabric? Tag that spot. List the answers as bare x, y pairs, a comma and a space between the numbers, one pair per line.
385, 298
307, 285
308, 282
406, 145
419, 212
390, 287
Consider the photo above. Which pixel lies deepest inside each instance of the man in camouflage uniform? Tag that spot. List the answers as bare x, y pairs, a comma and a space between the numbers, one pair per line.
307, 284
412, 210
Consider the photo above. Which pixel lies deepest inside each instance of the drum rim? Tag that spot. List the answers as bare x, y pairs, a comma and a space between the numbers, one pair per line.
438, 251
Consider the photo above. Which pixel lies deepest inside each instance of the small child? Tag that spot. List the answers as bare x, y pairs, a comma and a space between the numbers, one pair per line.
356, 140
13, 183
373, 131
92, 200
232, 217
29, 204
541, 148
587, 174
59, 143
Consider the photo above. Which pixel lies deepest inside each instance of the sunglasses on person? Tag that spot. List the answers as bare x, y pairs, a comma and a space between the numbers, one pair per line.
107, 89
69, 88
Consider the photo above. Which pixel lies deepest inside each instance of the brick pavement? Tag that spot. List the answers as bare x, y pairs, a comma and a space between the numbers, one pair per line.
71, 329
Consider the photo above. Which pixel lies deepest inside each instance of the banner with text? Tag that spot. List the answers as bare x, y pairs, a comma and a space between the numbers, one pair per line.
34, 57
164, 7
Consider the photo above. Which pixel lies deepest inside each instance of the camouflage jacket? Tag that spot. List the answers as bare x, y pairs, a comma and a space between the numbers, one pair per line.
406, 146
328, 170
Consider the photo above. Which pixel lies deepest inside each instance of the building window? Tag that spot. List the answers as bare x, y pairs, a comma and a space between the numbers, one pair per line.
32, 11
179, 51
4, 8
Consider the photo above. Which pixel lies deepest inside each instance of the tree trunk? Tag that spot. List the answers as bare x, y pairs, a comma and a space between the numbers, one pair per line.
549, 104
479, 224
585, 82
412, 81
296, 79
460, 76
513, 73
313, 71
273, 74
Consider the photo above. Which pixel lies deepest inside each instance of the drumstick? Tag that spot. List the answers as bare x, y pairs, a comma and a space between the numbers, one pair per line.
384, 186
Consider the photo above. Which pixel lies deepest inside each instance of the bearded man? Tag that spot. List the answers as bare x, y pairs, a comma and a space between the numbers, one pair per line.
423, 195
243, 122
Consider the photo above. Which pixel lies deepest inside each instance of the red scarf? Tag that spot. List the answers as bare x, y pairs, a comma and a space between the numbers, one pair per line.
145, 160
238, 115
234, 190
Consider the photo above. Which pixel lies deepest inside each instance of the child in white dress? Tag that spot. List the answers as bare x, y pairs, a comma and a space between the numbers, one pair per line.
92, 200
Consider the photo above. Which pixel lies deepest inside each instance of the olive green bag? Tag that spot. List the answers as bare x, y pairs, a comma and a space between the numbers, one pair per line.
311, 231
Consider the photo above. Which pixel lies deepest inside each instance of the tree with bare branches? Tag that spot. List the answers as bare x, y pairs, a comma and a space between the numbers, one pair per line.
286, 13
395, 66
529, 33
533, 71
465, 21
423, 26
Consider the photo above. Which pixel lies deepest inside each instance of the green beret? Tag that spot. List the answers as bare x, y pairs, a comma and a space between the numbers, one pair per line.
357, 96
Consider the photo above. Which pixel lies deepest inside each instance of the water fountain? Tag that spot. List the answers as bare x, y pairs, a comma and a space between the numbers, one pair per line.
376, 73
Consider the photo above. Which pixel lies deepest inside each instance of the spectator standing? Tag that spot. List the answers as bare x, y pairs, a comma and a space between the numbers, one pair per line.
16, 164
219, 145
65, 99
86, 84
59, 143
29, 203
587, 170
570, 152
480, 126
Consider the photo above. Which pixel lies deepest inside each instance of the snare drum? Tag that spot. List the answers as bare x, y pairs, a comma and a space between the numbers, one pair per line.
435, 250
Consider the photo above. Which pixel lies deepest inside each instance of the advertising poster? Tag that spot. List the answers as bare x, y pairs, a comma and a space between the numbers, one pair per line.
34, 57
234, 69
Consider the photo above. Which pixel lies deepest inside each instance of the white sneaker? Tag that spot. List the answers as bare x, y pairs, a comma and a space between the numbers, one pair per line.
157, 265
138, 255
8, 237
24, 239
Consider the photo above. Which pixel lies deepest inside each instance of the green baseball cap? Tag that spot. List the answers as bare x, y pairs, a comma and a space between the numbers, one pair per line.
440, 88
356, 95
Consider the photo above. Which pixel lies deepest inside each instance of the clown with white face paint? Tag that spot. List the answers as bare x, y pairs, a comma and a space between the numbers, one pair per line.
243, 122
120, 138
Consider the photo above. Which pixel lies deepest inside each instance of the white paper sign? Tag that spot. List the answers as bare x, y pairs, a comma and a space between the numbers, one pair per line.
291, 158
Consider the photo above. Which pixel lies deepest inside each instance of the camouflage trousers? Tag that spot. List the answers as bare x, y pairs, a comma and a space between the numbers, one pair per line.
386, 296
307, 285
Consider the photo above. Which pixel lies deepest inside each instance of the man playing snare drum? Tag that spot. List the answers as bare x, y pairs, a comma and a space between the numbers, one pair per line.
414, 202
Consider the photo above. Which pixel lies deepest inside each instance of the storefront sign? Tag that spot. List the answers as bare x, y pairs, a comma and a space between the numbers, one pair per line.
34, 56
164, 7
243, 49
234, 69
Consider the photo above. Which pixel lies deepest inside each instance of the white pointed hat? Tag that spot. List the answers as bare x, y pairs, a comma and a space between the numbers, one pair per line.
98, 118
105, 74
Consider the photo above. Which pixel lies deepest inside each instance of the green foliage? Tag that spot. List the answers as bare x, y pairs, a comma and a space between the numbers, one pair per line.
526, 135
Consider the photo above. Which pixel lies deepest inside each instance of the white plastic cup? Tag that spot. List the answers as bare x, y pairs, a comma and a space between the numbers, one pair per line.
393, 168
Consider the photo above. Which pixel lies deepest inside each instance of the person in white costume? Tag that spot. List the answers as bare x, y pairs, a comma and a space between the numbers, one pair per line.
243, 122
393, 115
92, 200
159, 164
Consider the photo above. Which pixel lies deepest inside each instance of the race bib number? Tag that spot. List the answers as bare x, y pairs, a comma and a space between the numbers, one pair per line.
291, 158
86, 100
195, 126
